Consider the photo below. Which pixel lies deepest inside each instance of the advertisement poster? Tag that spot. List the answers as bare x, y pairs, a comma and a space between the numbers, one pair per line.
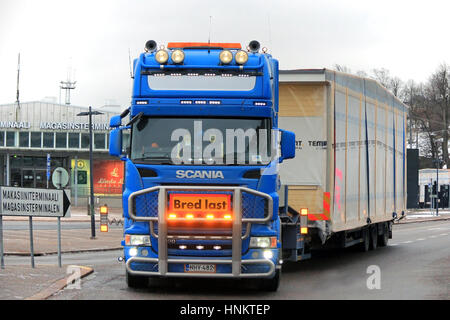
108, 177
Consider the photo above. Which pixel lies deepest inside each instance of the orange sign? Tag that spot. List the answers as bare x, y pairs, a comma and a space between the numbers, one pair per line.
193, 202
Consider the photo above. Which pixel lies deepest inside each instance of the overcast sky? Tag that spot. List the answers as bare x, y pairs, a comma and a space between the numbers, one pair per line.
92, 38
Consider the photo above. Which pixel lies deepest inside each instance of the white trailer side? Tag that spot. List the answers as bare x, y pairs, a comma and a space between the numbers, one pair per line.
350, 164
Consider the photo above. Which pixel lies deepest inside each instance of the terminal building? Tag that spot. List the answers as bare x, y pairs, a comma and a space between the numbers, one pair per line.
32, 131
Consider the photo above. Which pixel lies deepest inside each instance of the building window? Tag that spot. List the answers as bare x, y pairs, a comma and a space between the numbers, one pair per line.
36, 139
24, 139
85, 140
61, 140
2, 138
49, 140
74, 140
10, 138
99, 140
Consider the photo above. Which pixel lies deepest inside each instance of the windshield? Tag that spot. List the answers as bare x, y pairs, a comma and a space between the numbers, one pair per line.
201, 141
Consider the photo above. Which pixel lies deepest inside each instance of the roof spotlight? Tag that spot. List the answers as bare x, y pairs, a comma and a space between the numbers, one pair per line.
150, 46
254, 46
178, 56
241, 57
161, 56
225, 56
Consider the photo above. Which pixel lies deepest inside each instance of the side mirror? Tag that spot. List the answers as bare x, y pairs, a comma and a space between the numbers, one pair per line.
287, 145
115, 122
115, 142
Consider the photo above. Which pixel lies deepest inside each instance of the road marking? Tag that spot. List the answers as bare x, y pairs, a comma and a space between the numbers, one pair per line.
420, 239
444, 234
393, 244
433, 237
409, 241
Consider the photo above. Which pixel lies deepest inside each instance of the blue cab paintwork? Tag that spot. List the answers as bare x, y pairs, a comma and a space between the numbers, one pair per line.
233, 104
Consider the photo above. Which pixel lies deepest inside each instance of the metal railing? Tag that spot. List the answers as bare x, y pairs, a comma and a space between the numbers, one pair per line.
236, 257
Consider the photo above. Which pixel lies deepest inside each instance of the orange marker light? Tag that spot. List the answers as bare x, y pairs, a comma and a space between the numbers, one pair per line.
210, 216
103, 210
304, 230
227, 216
190, 216
304, 212
103, 228
172, 216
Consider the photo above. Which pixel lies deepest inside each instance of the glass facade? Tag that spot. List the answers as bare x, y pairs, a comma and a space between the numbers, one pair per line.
53, 140
49, 140
36, 138
24, 139
61, 140
10, 138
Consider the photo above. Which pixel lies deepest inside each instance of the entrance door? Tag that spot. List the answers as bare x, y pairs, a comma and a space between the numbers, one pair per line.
28, 179
41, 179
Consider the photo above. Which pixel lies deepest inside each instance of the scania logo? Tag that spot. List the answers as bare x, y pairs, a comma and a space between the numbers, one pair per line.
200, 174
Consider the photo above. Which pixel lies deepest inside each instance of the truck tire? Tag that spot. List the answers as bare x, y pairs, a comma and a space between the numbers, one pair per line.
136, 282
365, 245
373, 237
271, 284
383, 238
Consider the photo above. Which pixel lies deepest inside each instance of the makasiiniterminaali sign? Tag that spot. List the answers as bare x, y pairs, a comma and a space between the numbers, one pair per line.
34, 202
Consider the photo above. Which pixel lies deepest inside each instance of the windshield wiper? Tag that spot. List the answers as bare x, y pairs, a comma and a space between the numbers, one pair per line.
158, 160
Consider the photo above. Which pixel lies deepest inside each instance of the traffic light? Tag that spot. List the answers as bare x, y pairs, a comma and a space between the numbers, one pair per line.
104, 218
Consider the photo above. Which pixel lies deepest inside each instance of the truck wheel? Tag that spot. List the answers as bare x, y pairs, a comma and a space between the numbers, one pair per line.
271, 284
384, 237
364, 246
373, 237
136, 281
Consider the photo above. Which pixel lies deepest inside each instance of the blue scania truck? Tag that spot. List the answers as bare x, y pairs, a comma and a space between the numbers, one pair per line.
202, 164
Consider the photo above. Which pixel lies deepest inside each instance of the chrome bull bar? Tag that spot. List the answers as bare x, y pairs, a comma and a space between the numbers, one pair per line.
237, 237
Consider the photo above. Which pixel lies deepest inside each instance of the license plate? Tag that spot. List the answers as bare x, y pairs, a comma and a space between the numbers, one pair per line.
194, 202
199, 268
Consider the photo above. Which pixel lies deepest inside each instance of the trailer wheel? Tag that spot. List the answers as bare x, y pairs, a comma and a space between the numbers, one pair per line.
271, 284
384, 237
136, 281
373, 237
365, 245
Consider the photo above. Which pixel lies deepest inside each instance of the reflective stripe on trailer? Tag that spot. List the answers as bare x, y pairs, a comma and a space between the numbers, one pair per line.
326, 209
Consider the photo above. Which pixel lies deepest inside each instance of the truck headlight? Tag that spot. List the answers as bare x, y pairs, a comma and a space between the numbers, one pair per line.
161, 56
241, 57
263, 242
137, 240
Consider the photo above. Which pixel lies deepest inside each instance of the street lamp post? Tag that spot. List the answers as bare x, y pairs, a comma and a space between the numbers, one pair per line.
438, 162
90, 113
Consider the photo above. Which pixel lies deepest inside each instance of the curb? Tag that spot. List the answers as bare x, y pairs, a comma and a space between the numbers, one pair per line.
424, 220
59, 285
39, 254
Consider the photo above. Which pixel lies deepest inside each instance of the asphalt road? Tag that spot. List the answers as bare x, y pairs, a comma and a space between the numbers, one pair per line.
415, 265
45, 225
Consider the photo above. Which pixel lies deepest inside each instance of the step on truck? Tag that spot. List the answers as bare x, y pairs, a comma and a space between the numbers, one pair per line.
212, 188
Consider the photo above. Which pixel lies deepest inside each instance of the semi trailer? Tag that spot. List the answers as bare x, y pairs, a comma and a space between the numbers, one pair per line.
229, 171
348, 178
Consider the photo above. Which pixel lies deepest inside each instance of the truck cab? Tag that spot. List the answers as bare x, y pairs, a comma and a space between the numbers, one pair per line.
201, 166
